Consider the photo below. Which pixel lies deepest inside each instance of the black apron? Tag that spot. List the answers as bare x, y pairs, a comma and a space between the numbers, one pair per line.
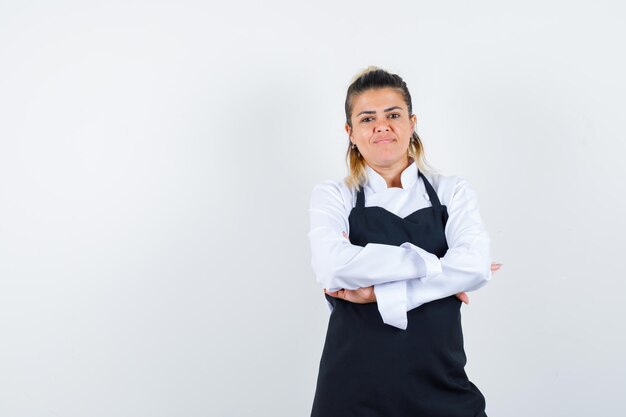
371, 369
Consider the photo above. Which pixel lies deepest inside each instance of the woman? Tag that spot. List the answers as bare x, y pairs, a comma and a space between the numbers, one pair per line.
396, 248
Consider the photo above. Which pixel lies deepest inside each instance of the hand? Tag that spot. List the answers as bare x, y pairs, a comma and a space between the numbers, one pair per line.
463, 295
360, 295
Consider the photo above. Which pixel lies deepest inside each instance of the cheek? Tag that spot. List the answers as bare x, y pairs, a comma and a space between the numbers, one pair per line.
360, 137
404, 127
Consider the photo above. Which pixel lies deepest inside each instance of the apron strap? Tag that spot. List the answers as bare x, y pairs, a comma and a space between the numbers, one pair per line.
360, 198
434, 199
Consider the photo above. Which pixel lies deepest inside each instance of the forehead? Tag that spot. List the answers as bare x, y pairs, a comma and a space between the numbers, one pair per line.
378, 99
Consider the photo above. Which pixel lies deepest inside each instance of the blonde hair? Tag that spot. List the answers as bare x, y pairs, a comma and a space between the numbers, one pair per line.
374, 78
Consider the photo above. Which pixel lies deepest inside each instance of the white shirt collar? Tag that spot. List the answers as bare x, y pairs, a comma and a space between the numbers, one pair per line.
377, 183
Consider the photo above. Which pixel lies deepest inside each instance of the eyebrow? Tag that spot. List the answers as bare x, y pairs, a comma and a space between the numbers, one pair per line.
373, 112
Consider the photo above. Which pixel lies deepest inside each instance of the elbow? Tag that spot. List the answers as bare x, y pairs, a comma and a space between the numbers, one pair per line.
321, 275
331, 268
482, 265
330, 280
485, 276
482, 275
485, 273
478, 267
325, 276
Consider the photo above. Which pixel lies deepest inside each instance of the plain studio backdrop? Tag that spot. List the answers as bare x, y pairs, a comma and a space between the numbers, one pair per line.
156, 164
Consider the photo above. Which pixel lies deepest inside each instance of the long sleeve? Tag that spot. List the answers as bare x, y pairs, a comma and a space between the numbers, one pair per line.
339, 264
466, 266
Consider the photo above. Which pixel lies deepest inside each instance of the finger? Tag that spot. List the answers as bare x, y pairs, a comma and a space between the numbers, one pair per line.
355, 296
366, 294
495, 266
331, 293
463, 297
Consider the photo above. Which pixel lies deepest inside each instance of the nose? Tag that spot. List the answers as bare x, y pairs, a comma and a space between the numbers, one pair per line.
382, 125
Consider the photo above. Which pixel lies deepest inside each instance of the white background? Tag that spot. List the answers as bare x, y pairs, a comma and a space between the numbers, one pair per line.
156, 163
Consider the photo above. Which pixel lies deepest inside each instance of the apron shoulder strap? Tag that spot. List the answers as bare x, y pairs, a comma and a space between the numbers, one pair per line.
360, 198
434, 199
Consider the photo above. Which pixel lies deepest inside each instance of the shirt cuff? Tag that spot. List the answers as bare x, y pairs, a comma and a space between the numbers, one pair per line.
430, 260
392, 301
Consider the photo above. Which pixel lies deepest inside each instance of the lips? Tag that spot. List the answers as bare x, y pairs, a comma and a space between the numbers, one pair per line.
384, 140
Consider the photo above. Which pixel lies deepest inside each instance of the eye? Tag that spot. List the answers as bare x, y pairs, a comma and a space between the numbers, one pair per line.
366, 119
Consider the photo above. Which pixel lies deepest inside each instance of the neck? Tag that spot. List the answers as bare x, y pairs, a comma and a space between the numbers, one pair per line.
393, 173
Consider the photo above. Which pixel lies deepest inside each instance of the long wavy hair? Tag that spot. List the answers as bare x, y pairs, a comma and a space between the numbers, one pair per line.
374, 78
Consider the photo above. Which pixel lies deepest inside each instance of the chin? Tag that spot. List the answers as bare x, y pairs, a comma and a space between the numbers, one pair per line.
388, 159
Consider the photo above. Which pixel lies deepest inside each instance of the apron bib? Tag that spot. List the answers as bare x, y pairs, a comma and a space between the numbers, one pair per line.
371, 369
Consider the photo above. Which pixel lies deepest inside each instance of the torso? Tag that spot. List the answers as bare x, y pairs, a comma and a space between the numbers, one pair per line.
369, 368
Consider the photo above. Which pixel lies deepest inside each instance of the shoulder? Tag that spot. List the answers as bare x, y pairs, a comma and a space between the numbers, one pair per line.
332, 192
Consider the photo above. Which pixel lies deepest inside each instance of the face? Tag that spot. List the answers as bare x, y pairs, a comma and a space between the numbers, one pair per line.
381, 127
